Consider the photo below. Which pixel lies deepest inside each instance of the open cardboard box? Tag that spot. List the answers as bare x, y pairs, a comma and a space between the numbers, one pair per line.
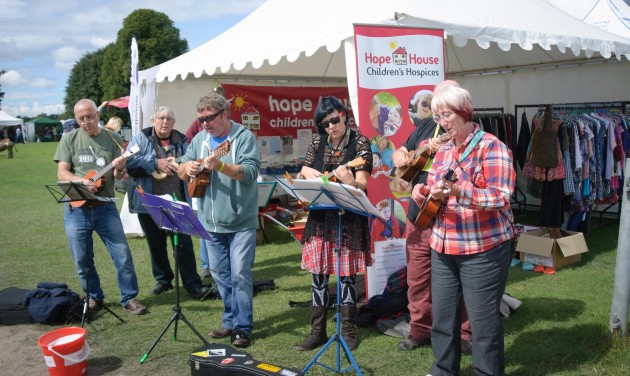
539, 249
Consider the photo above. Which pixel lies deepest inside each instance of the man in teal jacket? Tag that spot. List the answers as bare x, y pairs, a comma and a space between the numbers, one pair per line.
229, 210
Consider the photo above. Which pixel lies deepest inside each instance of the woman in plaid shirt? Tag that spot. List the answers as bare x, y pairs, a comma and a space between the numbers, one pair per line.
472, 234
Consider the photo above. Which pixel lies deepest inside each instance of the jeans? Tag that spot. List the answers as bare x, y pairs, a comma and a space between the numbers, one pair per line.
481, 277
203, 254
160, 264
80, 223
231, 258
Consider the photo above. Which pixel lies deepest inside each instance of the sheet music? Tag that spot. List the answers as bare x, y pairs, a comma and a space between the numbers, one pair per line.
173, 215
321, 194
76, 190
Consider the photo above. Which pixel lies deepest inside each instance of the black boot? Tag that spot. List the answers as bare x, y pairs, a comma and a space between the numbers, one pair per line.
348, 318
318, 334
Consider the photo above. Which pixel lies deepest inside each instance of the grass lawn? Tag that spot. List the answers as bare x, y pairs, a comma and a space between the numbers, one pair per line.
560, 329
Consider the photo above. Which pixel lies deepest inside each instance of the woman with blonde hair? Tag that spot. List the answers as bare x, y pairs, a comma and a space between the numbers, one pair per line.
114, 124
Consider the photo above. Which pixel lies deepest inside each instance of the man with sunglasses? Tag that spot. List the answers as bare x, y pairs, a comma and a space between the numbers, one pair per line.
228, 210
79, 152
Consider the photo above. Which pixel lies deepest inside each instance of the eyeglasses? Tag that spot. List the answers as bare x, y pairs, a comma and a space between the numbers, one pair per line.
209, 118
85, 119
165, 118
445, 116
326, 123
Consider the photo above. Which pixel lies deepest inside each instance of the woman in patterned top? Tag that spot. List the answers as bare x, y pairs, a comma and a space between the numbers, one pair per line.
472, 235
334, 145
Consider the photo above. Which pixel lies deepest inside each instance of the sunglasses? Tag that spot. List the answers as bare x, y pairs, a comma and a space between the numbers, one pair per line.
209, 118
326, 123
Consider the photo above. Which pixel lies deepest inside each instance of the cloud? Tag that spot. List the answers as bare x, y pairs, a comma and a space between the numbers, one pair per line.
100, 42
11, 78
33, 109
66, 56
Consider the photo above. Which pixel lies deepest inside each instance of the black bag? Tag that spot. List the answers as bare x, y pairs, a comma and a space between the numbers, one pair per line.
12, 308
222, 360
53, 303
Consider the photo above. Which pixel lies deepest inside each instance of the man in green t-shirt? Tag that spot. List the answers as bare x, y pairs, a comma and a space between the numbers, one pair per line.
83, 155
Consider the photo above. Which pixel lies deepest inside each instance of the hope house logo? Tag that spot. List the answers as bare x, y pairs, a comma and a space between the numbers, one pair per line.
400, 56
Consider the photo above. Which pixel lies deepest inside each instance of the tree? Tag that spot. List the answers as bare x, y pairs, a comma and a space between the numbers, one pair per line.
1, 92
158, 41
83, 81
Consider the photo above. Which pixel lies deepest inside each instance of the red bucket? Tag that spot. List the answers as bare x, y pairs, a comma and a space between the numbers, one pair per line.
65, 351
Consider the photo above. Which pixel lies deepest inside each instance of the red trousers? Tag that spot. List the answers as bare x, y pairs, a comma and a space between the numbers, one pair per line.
419, 282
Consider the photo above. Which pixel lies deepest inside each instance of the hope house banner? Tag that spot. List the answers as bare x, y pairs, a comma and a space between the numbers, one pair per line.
280, 111
397, 69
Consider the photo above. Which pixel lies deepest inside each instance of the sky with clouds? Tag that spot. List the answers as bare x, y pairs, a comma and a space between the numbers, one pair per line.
41, 40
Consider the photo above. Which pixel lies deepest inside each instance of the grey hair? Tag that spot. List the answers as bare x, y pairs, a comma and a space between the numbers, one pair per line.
84, 101
161, 110
213, 101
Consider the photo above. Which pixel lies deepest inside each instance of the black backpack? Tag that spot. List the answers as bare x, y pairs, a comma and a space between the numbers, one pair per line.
53, 303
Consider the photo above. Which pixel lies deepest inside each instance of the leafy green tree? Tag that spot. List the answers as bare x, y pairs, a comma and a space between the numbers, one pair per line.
83, 81
158, 41
1, 92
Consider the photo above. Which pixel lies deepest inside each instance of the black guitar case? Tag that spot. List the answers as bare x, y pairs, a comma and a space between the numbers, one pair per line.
223, 360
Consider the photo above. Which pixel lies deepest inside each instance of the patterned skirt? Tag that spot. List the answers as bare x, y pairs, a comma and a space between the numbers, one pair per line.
318, 257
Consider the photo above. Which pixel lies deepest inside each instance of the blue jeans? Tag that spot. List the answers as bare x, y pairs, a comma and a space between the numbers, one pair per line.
80, 223
203, 254
481, 278
231, 258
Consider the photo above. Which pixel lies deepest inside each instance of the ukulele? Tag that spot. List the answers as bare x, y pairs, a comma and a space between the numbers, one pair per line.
197, 184
431, 206
419, 159
95, 177
159, 175
331, 176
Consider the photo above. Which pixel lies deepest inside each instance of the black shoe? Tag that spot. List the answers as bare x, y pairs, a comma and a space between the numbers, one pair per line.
200, 292
160, 288
240, 339
412, 344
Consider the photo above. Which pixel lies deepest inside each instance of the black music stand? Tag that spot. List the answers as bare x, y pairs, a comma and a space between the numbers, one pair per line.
325, 195
72, 191
176, 217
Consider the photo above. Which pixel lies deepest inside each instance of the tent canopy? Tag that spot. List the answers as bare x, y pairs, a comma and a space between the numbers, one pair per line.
45, 121
7, 120
306, 43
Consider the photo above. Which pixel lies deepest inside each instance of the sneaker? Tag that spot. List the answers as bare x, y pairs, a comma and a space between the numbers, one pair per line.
95, 305
160, 288
205, 273
135, 307
220, 333
240, 339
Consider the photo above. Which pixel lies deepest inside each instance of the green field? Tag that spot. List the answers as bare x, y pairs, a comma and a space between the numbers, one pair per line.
560, 329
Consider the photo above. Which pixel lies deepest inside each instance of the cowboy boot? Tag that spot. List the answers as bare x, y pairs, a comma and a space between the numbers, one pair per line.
318, 334
348, 318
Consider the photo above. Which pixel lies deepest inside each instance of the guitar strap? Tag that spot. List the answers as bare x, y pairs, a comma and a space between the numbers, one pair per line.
427, 166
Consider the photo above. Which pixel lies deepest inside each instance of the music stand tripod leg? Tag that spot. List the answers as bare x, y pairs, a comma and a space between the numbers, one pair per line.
337, 338
177, 311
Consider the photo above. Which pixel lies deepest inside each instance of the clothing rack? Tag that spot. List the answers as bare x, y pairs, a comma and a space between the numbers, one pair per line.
522, 202
581, 106
488, 109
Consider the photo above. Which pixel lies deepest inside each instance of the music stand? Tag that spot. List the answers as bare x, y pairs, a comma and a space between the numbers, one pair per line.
73, 191
176, 217
325, 195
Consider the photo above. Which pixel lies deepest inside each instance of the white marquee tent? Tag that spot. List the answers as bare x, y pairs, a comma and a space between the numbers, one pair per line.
7, 120
505, 52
